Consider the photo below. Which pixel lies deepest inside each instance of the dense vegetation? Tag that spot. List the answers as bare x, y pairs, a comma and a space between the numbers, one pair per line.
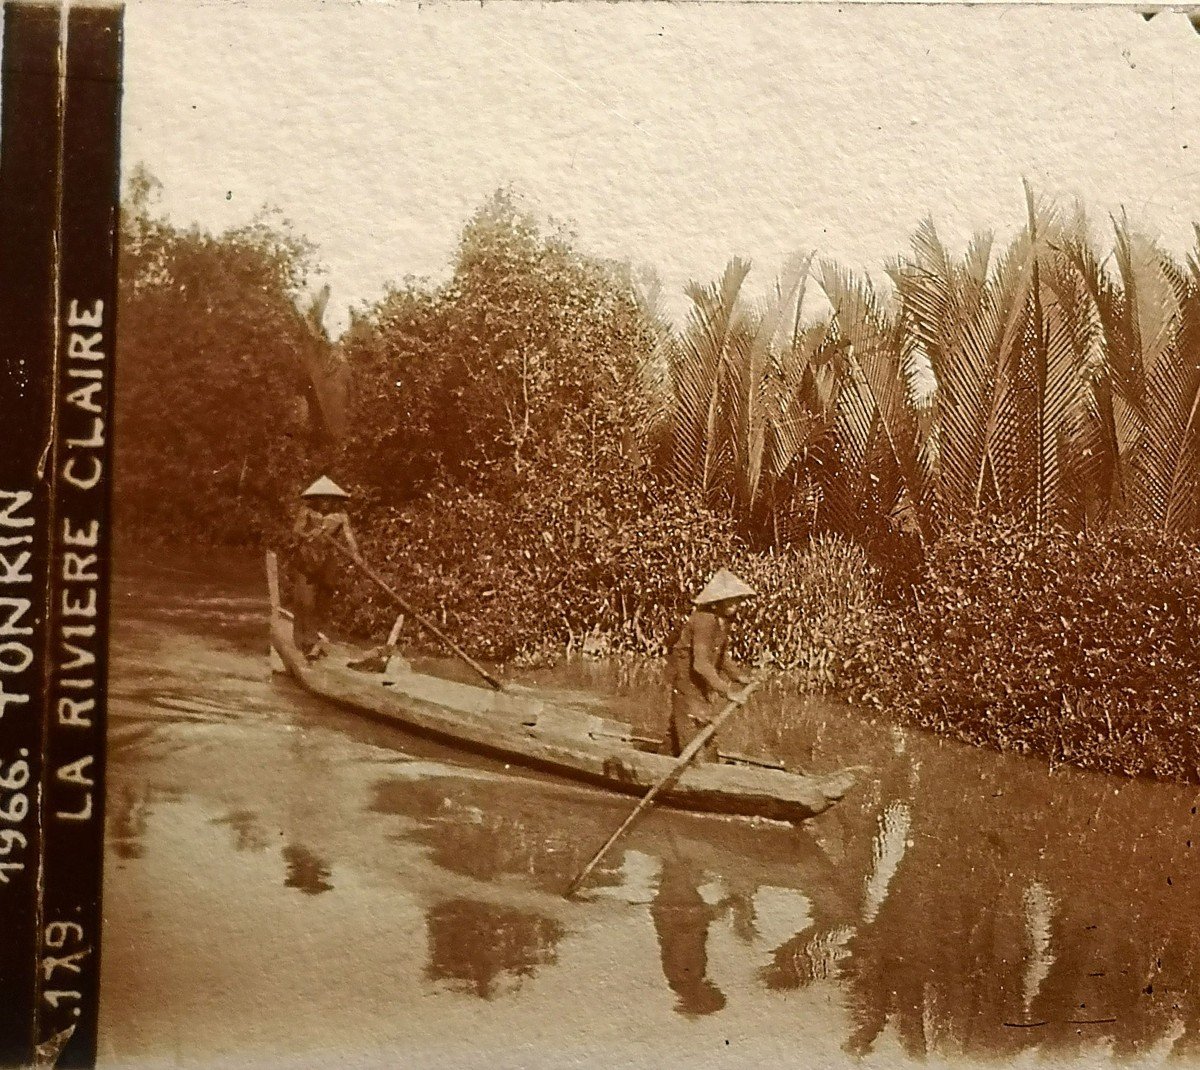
213, 403
971, 496
1082, 649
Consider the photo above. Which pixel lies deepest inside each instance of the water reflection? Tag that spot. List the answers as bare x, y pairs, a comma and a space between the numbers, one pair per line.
961, 902
807, 958
681, 920
1039, 913
305, 871
128, 807
248, 833
692, 871
489, 830
477, 947
890, 843
1065, 926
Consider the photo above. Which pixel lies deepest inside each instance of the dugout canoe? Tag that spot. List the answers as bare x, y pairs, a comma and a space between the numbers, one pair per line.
524, 729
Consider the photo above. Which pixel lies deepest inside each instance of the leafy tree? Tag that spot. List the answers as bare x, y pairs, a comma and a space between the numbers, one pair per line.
216, 404
529, 350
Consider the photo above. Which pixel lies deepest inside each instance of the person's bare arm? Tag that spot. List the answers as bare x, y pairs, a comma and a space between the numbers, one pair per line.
339, 524
351, 541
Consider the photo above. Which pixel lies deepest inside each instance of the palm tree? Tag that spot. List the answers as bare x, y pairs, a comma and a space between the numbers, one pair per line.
882, 470
748, 400
1012, 343
1040, 382
1146, 397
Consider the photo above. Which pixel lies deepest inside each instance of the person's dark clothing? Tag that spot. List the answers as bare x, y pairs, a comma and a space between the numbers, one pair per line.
315, 571
702, 676
310, 610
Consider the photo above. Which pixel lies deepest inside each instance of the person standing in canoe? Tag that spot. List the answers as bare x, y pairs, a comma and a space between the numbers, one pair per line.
702, 673
321, 516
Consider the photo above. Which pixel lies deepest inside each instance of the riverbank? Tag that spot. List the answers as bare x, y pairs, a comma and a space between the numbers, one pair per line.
1081, 652
540, 461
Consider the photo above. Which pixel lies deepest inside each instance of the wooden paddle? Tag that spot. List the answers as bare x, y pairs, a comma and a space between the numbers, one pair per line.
689, 752
418, 617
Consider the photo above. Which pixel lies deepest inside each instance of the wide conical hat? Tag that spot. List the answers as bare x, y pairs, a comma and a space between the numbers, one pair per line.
722, 586
324, 488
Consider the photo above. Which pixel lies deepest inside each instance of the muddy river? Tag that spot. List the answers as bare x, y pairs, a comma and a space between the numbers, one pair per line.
288, 884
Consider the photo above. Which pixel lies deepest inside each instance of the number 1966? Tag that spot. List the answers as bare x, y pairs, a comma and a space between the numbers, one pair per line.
14, 808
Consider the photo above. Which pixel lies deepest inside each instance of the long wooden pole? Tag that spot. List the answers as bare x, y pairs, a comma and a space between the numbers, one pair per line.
381, 583
689, 752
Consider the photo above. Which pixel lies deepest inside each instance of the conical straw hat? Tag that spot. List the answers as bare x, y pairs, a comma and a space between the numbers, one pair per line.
324, 488
722, 586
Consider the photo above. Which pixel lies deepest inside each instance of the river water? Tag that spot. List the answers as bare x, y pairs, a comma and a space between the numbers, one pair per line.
288, 884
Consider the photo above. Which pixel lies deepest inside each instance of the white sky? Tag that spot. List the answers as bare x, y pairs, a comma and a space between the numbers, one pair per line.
677, 135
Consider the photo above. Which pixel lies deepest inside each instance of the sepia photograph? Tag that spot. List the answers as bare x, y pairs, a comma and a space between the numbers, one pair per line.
642, 535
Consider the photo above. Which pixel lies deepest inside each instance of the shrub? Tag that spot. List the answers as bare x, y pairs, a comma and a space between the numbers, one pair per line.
607, 572
1081, 649
817, 605
544, 571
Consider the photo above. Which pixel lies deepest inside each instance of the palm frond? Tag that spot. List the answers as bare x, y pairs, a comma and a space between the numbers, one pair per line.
715, 324
1167, 458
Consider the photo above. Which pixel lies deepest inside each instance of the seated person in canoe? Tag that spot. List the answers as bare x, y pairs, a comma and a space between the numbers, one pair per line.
702, 673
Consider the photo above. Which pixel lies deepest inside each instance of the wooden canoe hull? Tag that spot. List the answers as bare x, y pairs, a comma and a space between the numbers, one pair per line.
523, 729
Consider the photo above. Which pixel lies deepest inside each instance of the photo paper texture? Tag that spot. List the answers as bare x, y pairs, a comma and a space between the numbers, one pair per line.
646, 535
